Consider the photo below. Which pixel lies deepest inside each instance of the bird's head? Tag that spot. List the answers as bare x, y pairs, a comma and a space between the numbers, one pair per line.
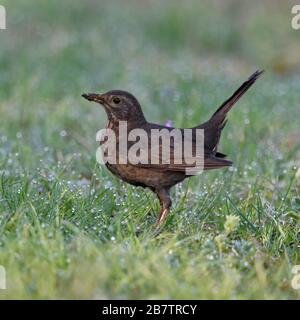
120, 105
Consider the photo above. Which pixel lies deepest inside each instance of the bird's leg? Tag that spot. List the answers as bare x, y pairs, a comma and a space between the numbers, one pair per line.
165, 205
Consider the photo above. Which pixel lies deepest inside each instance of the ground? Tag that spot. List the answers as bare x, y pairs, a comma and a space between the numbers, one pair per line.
69, 229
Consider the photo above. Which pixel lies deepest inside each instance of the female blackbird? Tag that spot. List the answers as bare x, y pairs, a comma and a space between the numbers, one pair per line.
160, 176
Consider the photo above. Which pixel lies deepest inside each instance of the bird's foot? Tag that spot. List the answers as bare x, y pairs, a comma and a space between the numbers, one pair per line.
161, 218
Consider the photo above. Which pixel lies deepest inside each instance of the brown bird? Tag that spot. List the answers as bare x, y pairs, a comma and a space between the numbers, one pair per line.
159, 175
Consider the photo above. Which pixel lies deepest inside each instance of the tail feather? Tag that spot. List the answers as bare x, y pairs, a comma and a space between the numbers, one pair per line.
214, 126
228, 104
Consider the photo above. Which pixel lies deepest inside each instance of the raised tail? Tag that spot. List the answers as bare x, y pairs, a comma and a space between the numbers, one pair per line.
216, 123
228, 104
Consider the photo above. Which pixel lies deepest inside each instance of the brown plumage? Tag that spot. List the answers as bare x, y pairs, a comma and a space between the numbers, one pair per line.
160, 177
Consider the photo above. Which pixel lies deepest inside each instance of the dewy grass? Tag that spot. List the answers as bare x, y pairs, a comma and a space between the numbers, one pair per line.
69, 229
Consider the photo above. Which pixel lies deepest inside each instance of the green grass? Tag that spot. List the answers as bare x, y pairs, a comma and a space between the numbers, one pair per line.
69, 229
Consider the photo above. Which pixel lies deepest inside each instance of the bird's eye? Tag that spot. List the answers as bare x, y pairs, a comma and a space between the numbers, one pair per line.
116, 100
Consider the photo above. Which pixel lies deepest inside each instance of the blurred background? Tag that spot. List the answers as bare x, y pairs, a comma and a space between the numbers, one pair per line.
181, 59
